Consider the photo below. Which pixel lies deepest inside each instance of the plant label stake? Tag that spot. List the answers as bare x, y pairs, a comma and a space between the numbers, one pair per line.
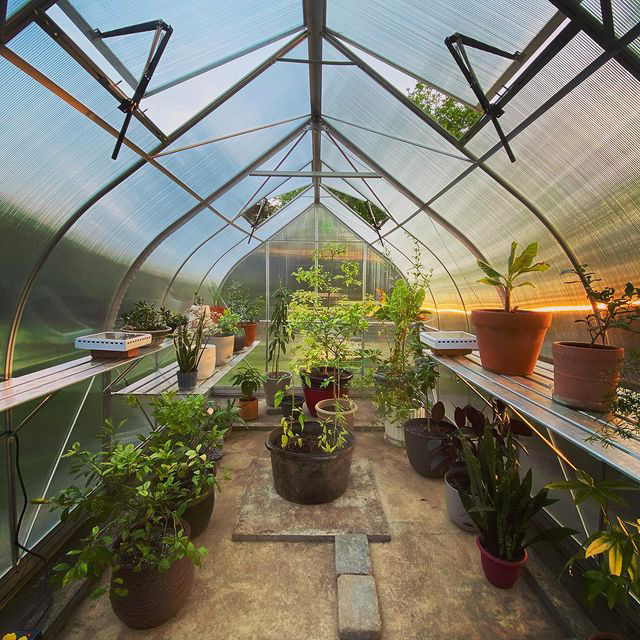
160, 40
455, 44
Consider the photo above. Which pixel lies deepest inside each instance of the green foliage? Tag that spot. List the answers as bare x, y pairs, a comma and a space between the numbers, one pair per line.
516, 266
616, 548
621, 311
268, 206
172, 319
135, 499
215, 293
452, 115
146, 316
227, 324
499, 501
241, 303
249, 380
369, 212
280, 333
188, 346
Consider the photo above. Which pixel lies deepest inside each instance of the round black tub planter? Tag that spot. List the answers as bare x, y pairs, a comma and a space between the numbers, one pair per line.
198, 512
309, 478
428, 454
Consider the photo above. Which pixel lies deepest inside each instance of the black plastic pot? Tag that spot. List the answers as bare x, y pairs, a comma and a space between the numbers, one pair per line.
428, 455
239, 342
198, 512
187, 380
291, 404
309, 478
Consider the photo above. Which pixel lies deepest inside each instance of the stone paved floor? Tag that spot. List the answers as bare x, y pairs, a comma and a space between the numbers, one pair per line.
429, 579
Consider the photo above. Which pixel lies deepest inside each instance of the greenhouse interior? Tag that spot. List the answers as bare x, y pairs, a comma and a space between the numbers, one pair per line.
320, 319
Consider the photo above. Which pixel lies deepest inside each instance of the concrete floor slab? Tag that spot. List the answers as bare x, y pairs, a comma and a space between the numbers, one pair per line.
264, 515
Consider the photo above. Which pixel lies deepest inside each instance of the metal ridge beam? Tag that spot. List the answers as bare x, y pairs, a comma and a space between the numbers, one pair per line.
119, 293
113, 183
316, 174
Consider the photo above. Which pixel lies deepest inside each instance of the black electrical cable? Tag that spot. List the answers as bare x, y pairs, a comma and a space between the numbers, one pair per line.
47, 571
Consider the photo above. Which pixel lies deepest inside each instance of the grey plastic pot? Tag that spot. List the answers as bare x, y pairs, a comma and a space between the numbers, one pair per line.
455, 508
275, 381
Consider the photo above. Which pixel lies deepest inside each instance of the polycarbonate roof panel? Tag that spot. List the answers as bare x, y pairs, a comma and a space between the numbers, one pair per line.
15, 5
411, 33
203, 32
348, 217
626, 14
283, 217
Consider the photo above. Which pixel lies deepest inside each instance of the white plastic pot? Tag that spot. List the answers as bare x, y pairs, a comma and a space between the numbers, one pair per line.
207, 364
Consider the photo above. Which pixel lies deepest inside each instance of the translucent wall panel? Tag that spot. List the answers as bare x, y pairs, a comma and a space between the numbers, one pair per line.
412, 34
203, 33
346, 89
52, 160
626, 14
15, 5
73, 293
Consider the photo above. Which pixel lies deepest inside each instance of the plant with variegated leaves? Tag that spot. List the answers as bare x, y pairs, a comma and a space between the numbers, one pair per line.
517, 265
615, 548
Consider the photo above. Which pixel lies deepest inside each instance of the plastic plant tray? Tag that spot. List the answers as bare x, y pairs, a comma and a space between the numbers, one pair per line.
449, 342
113, 341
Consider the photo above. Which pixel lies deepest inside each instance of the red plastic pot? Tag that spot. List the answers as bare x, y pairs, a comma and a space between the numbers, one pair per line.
500, 573
315, 392
216, 311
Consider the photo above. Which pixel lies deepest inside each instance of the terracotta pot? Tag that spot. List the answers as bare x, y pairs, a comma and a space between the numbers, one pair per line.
585, 376
275, 381
224, 349
500, 573
153, 596
250, 330
157, 336
326, 409
207, 363
216, 311
248, 409
187, 380
510, 342
238, 342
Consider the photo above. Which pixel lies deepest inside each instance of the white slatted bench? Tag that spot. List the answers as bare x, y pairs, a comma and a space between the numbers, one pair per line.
164, 379
531, 395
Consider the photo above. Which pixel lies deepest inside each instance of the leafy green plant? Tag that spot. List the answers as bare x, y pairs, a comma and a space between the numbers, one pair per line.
615, 311
172, 319
499, 501
249, 380
226, 325
215, 294
239, 301
135, 500
517, 266
280, 333
145, 316
188, 346
615, 549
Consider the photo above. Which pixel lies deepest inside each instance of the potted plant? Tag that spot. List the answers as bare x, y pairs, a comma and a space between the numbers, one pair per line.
217, 306
137, 530
146, 317
188, 346
290, 403
405, 373
326, 348
587, 374
249, 380
338, 409
239, 338
248, 309
207, 360
280, 335
500, 504
311, 462
509, 340
222, 335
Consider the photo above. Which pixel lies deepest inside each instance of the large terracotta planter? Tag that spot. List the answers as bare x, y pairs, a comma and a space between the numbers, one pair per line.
250, 331
500, 573
510, 342
275, 381
310, 478
224, 349
207, 363
327, 409
585, 376
153, 596
248, 409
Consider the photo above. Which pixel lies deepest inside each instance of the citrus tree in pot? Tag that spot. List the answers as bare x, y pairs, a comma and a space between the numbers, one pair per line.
249, 380
135, 501
280, 335
501, 506
587, 374
509, 340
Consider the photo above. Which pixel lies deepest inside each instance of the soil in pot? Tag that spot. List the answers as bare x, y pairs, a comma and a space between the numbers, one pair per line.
500, 573
291, 405
275, 381
238, 342
250, 331
585, 376
427, 449
510, 341
153, 596
307, 475
315, 387
332, 407
248, 408
454, 480
198, 512
187, 380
